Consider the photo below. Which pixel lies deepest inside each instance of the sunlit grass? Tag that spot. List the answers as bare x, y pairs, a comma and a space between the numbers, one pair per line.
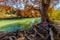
14, 25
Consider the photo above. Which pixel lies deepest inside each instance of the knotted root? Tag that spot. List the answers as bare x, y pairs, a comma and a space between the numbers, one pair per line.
41, 31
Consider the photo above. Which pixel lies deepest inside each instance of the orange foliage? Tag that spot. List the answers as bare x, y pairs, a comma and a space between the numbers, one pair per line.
29, 12
6, 8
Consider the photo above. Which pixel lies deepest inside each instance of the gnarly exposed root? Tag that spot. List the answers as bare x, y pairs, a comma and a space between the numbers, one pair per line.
41, 31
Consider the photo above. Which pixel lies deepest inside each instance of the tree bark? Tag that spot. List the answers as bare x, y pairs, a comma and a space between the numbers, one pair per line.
44, 10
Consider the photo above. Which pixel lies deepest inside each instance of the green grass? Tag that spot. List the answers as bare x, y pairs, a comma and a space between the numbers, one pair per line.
14, 25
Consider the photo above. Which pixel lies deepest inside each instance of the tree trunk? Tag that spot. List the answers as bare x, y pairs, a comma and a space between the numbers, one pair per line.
44, 10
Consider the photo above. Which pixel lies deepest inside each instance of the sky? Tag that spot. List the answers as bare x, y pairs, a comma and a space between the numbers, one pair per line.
21, 5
